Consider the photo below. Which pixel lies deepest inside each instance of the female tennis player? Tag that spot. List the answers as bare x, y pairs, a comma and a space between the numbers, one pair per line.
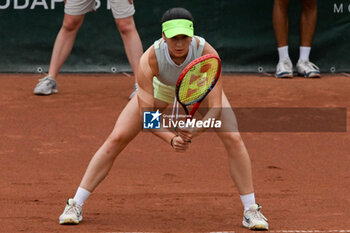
157, 76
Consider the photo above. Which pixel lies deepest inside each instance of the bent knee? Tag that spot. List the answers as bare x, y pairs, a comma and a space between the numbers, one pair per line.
72, 23
309, 4
232, 138
119, 139
125, 25
283, 3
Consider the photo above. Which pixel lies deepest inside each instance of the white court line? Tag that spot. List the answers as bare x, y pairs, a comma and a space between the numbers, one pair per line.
279, 231
311, 231
128, 75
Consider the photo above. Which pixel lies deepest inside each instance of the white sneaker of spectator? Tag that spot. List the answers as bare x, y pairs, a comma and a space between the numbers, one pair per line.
308, 69
284, 69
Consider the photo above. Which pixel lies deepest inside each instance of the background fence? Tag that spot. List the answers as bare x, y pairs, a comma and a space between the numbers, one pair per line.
241, 31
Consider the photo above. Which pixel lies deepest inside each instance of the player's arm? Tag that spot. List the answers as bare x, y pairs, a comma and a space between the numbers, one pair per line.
148, 68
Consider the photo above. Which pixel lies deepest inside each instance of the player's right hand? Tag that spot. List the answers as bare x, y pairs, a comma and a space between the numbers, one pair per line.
185, 134
179, 144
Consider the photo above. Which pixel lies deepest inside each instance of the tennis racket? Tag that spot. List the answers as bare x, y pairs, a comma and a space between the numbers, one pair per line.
196, 81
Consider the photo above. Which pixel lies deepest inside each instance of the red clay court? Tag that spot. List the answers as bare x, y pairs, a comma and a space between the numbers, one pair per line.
302, 180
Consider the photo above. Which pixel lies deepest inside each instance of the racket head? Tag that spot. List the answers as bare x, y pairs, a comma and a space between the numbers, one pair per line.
198, 79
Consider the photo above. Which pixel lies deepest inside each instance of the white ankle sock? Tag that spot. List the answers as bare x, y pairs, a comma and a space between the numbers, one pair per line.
81, 196
283, 53
248, 200
304, 53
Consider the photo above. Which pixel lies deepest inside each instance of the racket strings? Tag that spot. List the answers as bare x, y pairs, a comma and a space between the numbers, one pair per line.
198, 81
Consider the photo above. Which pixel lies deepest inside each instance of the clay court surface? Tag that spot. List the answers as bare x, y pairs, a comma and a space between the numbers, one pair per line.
302, 180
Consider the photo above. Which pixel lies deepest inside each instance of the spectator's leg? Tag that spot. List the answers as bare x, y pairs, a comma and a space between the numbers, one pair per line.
64, 42
131, 40
308, 22
284, 68
280, 22
61, 50
307, 29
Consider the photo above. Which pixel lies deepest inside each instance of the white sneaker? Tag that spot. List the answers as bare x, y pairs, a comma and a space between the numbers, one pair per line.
308, 69
134, 92
284, 69
254, 219
72, 214
46, 86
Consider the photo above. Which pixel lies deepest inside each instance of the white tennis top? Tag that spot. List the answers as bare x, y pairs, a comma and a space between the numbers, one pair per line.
168, 71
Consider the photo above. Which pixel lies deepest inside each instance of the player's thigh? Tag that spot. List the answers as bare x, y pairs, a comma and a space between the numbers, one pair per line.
79, 7
160, 105
227, 117
228, 133
129, 122
122, 8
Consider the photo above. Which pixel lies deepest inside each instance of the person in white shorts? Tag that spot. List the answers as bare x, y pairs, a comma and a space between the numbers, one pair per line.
75, 10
